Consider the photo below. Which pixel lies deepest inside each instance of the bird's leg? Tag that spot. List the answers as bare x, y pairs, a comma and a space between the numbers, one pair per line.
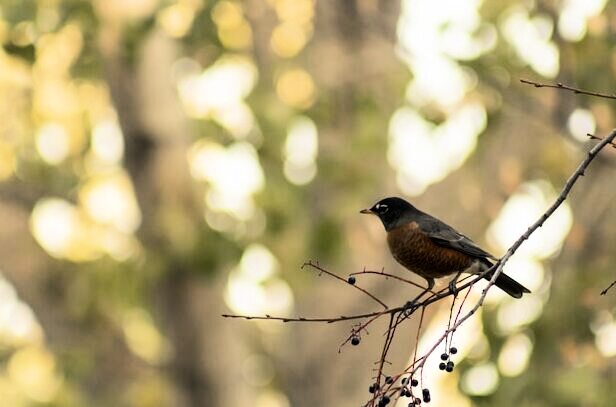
452, 284
414, 301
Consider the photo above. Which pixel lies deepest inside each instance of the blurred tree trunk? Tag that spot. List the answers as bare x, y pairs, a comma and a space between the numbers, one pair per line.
156, 137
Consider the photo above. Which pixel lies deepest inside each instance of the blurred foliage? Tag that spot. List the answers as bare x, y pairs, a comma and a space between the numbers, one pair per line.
163, 161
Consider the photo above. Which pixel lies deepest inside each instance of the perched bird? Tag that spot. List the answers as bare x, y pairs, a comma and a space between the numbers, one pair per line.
433, 249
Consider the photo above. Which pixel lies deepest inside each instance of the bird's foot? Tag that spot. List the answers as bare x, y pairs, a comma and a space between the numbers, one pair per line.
409, 307
453, 289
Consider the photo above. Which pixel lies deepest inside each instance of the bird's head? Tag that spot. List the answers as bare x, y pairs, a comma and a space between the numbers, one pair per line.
392, 211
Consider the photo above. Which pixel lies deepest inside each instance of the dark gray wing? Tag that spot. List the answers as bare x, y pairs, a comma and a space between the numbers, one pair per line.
446, 236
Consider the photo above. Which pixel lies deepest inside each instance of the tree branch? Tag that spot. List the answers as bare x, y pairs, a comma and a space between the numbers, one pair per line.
391, 390
569, 88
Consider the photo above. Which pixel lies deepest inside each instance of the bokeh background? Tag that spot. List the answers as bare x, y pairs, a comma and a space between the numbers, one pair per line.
166, 161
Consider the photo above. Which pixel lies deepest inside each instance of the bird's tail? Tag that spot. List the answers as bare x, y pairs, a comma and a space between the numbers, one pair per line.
508, 284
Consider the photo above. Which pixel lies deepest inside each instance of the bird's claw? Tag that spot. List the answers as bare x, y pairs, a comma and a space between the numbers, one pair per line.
453, 289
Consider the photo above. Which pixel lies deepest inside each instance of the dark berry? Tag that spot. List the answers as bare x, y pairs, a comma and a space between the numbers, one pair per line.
426, 395
414, 382
355, 340
449, 366
412, 404
418, 401
371, 388
453, 350
444, 356
407, 393
384, 401
442, 366
389, 380
404, 380
351, 280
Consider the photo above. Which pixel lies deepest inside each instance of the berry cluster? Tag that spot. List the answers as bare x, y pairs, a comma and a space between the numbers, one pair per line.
405, 391
445, 357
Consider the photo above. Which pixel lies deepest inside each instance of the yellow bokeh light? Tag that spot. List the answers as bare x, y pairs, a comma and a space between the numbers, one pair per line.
32, 369
56, 98
296, 88
233, 30
227, 14
288, 39
107, 141
176, 19
234, 174
513, 315
424, 153
110, 199
297, 11
300, 150
272, 398
218, 93
237, 118
581, 122
18, 324
239, 37
574, 16
64, 231
521, 210
604, 328
531, 39
58, 51
142, 337
52, 143
515, 355
254, 287
122, 10
480, 380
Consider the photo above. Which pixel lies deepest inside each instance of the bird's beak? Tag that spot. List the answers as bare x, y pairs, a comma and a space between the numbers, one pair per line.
366, 211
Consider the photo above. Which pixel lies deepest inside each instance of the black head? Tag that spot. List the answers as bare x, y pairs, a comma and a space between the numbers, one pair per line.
392, 211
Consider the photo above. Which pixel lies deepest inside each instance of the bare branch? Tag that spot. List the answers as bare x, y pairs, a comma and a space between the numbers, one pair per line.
316, 266
593, 137
387, 275
569, 88
608, 288
399, 314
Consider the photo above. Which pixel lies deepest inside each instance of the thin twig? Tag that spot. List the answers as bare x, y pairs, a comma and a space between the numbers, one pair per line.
593, 137
302, 319
382, 273
608, 288
569, 88
444, 293
322, 270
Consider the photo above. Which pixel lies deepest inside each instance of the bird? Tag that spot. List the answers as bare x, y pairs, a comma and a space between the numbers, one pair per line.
432, 249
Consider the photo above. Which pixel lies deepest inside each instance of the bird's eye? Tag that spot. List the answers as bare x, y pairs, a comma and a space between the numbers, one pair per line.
381, 208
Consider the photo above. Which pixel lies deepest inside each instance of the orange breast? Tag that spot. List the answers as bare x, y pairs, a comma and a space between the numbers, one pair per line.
417, 252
